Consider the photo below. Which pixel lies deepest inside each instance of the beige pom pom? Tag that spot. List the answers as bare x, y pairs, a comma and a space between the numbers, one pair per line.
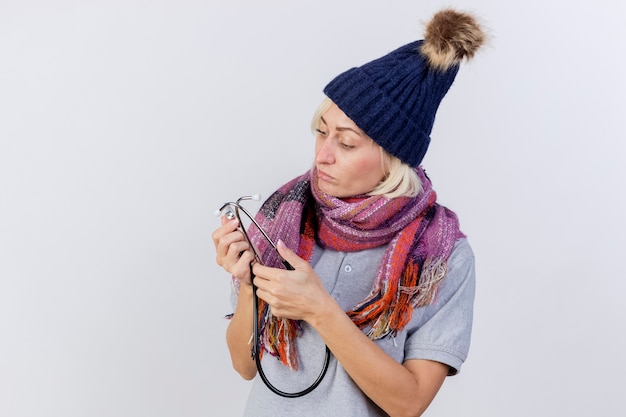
451, 36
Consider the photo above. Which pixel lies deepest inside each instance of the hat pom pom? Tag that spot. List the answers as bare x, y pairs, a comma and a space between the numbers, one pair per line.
451, 36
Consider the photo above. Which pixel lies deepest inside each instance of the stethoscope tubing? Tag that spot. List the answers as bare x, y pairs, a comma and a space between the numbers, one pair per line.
256, 348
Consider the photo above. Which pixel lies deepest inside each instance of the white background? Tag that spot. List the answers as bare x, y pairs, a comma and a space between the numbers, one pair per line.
125, 124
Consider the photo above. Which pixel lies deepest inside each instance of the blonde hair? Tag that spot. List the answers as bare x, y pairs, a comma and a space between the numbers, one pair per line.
401, 179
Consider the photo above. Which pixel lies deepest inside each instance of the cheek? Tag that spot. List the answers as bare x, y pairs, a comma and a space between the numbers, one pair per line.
374, 162
369, 169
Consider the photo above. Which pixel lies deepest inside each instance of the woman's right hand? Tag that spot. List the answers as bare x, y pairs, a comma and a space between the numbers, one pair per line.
235, 256
233, 251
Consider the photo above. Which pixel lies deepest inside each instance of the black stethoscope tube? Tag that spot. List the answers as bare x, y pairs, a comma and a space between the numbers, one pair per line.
256, 348
257, 357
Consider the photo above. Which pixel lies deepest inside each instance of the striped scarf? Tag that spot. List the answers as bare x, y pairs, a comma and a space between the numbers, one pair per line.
418, 232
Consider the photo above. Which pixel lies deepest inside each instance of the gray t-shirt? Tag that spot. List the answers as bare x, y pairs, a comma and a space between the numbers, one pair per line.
439, 332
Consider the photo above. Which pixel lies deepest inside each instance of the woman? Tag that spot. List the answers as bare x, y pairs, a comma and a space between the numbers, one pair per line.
382, 274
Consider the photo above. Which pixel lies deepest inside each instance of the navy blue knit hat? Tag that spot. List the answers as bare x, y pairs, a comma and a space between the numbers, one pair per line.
394, 98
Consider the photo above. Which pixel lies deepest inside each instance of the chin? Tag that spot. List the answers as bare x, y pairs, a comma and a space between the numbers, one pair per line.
331, 191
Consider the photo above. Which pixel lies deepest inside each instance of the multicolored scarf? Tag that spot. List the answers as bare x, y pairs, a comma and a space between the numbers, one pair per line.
418, 232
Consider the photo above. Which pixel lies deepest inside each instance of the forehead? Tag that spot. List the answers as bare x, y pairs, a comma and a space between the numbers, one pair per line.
334, 115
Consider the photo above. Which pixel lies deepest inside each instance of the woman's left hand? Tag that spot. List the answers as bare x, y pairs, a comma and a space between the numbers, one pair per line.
297, 294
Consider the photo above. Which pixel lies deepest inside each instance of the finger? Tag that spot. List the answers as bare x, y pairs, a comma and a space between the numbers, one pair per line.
225, 219
289, 255
225, 241
262, 272
236, 249
263, 289
241, 268
229, 248
227, 227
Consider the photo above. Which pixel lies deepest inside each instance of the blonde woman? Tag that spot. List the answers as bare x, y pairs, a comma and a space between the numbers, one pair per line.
383, 277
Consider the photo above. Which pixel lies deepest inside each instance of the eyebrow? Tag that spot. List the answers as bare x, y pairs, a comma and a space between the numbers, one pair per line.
343, 129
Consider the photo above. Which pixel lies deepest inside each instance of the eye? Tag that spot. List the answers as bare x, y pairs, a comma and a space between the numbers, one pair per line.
321, 132
346, 146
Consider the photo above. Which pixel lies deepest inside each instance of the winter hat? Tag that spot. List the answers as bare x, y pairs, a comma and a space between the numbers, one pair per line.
394, 98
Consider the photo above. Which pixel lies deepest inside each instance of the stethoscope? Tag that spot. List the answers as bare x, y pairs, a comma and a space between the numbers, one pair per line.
232, 210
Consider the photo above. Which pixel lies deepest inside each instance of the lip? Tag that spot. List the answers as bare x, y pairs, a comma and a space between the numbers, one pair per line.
323, 176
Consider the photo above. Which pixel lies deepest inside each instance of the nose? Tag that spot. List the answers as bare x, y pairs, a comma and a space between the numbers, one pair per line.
325, 152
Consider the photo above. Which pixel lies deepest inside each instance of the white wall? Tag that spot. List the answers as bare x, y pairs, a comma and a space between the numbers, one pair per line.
125, 124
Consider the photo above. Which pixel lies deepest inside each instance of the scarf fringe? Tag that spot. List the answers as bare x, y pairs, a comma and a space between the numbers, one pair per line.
433, 272
275, 336
393, 307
